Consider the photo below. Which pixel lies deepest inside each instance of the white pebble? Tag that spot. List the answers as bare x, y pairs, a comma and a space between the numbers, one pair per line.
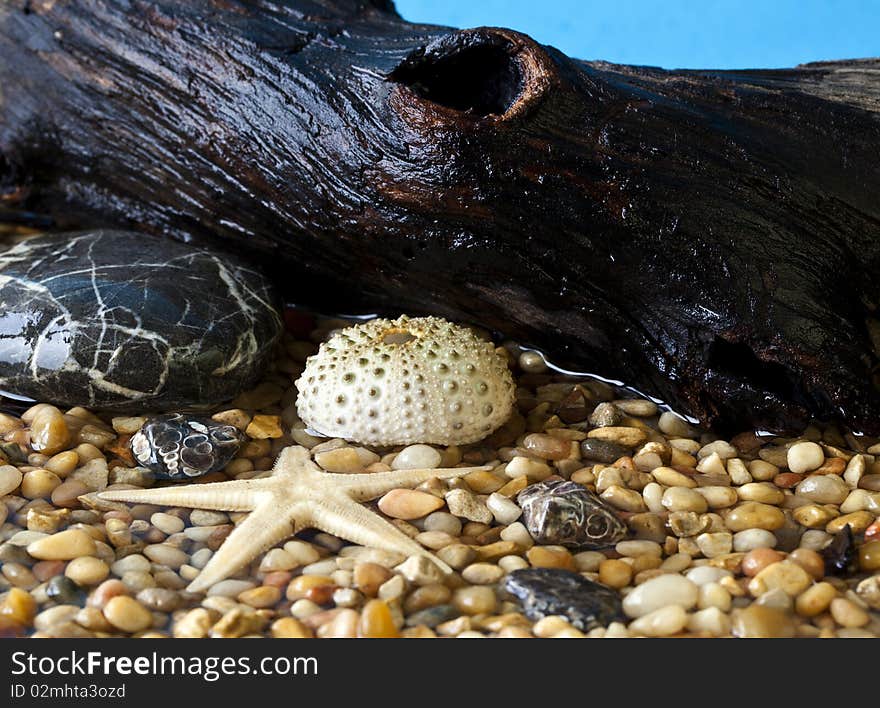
302, 553
711, 621
750, 539
503, 509
714, 595
200, 558
417, 457
805, 457
134, 562
10, 479
653, 496
167, 523
443, 521
823, 489
659, 592
633, 549
662, 622
519, 534
705, 574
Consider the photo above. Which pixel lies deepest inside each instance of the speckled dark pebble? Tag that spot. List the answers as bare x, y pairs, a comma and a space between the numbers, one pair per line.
602, 450
432, 616
65, 591
179, 447
553, 591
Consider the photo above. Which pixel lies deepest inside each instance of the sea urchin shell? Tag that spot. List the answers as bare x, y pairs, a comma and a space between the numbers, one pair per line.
404, 381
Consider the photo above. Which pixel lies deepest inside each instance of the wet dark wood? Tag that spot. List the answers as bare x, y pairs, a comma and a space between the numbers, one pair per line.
709, 237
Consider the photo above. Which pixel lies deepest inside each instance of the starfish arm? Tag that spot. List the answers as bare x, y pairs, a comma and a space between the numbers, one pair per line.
262, 529
363, 487
340, 516
239, 495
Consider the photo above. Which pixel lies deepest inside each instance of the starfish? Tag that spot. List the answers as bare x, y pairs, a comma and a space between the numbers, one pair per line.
297, 495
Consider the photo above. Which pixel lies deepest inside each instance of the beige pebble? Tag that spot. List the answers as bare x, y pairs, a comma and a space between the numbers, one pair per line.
714, 595
713, 545
662, 622
805, 457
858, 521
49, 431
813, 516
823, 489
711, 620
408, 504
638, 548
39, 484
622, 435
10, 479
675, 426
64, 545
718, 497
659, 592
684, 499
416, 457
550, 557
848, 614
420, 570
624, 499
167, 523
754, 515
761, 622
762, 471
87, 571
166, 554
342, 460
518, 534
503, 509
532, 470
764, 492
672, 478
302, 553
784, 575
475, 600
127, 614
464, 504
815, 599
195, 624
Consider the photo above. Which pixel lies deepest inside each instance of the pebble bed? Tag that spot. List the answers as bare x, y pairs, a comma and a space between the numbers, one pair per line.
726, 537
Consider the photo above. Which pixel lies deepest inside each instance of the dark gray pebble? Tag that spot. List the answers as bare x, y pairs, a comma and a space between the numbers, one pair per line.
553, 591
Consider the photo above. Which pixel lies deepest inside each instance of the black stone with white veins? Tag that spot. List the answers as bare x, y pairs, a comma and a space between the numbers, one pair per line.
118, 321
554, 591
180, 447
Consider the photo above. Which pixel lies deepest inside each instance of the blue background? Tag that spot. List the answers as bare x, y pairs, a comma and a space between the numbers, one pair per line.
694, 34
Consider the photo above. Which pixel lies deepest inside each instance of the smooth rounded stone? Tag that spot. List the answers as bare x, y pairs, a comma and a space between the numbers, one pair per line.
777, 598
664, 590
230, 588
754, 515
815, 539
547, 447
532, 470
626, 436
442, 522
762, 622
503, 509
193, 327
552, 591
715, 595
684, 499
615, 573
87, 571
65, 545
605, 415
815, 599
636, 548
568, 514
165, 554
134, 562
675, 426
160, 599
705, 574
416, 457
711, 620
205, 517
805, 457
167, 523
475, 600
177, 446
602, 450
127, 614
68, 492
64, 591
723, 449
750, 539
10, 479
783, 575
408, 504
662, 622
823, 489
713, 545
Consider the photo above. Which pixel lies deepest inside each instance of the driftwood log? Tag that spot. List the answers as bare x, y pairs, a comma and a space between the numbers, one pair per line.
712, 238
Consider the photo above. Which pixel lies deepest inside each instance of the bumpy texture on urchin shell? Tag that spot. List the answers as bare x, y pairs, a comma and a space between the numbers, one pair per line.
444, 385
